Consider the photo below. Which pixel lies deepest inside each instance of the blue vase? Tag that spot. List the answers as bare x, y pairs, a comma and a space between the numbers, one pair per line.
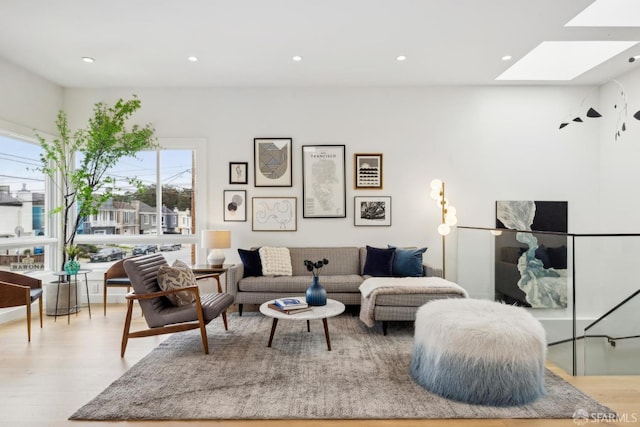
316, 294
72, 266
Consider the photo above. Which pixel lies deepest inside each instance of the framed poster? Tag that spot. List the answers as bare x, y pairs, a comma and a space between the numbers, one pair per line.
372, 211
368, 171
323, 181
274, 214
235, 205
272, 162
238, 172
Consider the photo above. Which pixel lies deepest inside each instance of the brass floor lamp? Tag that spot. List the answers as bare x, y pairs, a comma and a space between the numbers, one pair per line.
448, 216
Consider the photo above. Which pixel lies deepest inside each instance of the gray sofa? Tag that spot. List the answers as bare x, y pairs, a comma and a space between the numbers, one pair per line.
341, 277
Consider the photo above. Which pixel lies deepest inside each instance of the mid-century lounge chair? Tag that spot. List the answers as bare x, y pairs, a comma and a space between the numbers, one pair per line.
161, 315
18, 289
115, 276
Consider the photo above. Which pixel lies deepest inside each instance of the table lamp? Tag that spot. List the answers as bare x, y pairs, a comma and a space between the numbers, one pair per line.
216, 240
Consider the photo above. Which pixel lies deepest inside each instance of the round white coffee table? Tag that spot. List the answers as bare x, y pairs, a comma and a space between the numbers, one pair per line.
333, 308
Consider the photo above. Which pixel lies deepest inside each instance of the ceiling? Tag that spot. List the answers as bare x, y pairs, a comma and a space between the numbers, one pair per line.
145, 43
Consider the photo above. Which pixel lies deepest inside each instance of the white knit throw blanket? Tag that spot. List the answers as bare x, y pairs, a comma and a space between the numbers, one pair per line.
375, 286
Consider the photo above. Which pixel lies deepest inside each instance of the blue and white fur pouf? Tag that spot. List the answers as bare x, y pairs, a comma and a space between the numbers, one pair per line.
479, 351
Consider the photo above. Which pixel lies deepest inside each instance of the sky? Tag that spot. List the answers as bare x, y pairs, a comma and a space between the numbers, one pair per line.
18, 159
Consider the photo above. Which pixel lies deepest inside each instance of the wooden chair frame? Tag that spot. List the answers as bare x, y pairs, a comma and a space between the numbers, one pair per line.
179, 327
15, 295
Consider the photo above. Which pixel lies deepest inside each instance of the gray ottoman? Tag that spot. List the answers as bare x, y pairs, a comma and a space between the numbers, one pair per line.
479, 351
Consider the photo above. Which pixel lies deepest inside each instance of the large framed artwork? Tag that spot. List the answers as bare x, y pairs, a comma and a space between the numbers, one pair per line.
272, 162
235, 205
323, 181
372, 211
531, 268
368, 171
274, 214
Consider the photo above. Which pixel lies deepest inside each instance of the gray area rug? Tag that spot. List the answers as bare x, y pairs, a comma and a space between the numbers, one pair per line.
364, 376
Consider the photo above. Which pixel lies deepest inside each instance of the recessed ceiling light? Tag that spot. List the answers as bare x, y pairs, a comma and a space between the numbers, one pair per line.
401, 58
506, 57
193, 58
564, 60
88, 59
608, 13
297, 58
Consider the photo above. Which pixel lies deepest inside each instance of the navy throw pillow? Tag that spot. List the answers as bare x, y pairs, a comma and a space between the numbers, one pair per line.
408, 262
379, 262
251, 262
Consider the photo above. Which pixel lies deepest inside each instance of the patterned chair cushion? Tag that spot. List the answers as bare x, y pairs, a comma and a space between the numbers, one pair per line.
177, 276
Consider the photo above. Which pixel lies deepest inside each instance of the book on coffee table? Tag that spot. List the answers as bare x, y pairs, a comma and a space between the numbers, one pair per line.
289, 311
290, 303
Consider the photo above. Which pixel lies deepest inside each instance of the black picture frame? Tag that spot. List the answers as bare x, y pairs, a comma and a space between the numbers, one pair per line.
324, 190
234, 205
272, 163
372, 211
238, 172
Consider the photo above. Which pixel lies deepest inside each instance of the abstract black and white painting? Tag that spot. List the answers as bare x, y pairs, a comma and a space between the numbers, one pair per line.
372, 211
531, 268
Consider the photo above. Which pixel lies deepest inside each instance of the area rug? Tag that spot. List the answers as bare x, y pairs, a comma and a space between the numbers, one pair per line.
365, 376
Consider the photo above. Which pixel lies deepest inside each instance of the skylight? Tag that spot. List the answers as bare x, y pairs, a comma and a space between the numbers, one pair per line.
563, 60
608, 13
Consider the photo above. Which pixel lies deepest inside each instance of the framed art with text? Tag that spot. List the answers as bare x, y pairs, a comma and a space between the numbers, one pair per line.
272, 162
372, 211
235, 205
238, 172
368, 171
323, 181
274, 214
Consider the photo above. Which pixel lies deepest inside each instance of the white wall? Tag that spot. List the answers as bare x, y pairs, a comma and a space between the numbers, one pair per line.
487, 144
27, 101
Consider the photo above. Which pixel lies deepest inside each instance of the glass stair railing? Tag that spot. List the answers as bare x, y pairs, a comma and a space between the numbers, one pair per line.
592, 328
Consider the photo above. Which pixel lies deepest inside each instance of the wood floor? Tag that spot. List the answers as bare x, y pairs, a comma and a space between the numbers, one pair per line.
43, 382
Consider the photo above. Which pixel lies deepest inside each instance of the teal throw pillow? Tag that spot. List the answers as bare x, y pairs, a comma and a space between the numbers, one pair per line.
408, 262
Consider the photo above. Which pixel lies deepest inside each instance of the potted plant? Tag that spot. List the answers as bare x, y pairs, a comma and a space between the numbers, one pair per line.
72, 266
84, 187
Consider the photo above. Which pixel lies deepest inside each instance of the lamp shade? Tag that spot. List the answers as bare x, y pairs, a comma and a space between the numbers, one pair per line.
215, 239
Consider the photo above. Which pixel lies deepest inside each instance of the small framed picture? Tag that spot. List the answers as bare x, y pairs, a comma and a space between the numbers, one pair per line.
235, 205
368, 171
238, 172
372, 211
272, 162
274, 214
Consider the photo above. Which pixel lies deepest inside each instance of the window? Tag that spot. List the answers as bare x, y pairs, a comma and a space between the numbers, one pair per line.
23, 215
165, 191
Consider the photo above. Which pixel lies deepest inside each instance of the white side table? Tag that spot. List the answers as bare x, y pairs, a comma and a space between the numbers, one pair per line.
333, 308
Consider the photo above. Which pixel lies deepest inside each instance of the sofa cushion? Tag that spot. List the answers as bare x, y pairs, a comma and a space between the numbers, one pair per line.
342, 260
408, 262
275, 261
297, 285
177, 276
379, 262
251, 262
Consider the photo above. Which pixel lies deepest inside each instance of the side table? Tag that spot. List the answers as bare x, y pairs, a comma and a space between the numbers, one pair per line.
75, 308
